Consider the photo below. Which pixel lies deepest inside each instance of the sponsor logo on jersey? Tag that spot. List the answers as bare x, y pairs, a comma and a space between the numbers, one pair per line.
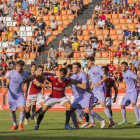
93, 72
126, 77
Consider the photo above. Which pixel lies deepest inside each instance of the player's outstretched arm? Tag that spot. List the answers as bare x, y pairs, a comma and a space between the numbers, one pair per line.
138, 81
3, 86
29, 79
41, 85
116, 93
103, 79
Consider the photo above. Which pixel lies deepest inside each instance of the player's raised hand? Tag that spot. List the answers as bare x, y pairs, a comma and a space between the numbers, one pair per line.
4, 90
114, 100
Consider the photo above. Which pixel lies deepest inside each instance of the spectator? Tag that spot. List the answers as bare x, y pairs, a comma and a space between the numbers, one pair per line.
32, 20
101, 24
1, 8
130, 67
9, 52
6, 11
26, 21
94, 45
77, 29
117, 75
8, 36
108, 25
3, 64
109, 9
135, 35
17, 40
68, 54
64, 40
27, 13
56, 9
18, 3
75, 9
93, 38
118, 53
107, 41
19, 20
11, 64
24, 5
112, 68
131, 12
136, 63
88, 54
2, 26
83, 62
81, 4
40, 33
64, 65
53, 25
102, 16
40, 44
41, 24
123, 46
48, 65
41, 4
86, 69
48, 4
86, 44
75, 45
132, 47
54, 65
34, 44
52, 55
23, 46
129, 59
106, 2
101, 46
126, 34
97, 8
104, 8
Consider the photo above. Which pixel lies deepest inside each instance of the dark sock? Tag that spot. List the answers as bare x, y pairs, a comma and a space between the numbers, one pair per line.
68, 114
33, 108
111, 112
39, 119
39, 110
27, 116
87, 117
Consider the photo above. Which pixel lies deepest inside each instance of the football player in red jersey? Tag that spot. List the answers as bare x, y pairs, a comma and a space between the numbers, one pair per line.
59, 83
34, 91
109, 84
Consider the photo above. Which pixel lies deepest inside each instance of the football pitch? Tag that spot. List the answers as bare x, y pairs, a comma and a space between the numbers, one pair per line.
52, 128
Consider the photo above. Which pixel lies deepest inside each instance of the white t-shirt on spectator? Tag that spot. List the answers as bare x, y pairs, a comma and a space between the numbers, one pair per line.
2, 6
42, 42
101, 23
65, 40
86, 70
53, 25
34, 40
89, 53
10, 50
97, 8
94, 45
77, 27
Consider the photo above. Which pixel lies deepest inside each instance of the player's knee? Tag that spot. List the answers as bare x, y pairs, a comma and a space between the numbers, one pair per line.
68, 106
122, 107
87, 110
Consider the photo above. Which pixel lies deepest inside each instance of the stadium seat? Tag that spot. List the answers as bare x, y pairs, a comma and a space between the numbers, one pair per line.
105, 32
22, 28
63, 12
80, 37
50, 38
114, 16
100, 37
26, 55
78, 55
55, 33
15, 28
119, 32
99, 32
130, 1
51, 17
131, 26
85, 32
124, 26
122, 21
113, 37
83, 54
119, 37
71, 17
112, 32
122, 85
115, 42
97, 54
84, 27
69, 12
138, 26
138, 54
64, 17
129, 21
60, 28
90, 27
117, 27
135, 20
59, 22
32, 55
86, 37
45, 18
108, 16
116, 21
65, 22
86, 2
104, 54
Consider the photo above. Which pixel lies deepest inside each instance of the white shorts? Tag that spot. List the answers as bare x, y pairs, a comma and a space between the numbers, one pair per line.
108, 101
52, 101
33, 98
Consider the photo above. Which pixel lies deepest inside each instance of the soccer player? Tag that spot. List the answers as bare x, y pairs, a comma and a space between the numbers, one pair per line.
132, 92
15, 93
86, 98
59, 83
109, 84
80, 113
98, 78
34, 92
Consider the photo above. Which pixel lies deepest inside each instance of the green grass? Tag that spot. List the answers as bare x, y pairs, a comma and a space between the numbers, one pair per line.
52, 128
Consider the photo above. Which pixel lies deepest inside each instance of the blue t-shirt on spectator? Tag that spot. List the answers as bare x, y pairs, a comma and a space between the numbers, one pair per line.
127, 33
17, 40
136, 62
83, 63
24, 5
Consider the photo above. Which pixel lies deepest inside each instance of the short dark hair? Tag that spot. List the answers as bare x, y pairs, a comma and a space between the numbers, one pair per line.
77, 63
106, 68
64, 70
124, 63
33, 64
91, 58
40, 66
69, 66
20, 62
64, 35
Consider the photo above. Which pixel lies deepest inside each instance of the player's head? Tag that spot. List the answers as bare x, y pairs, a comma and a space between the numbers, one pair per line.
105, 69
62, 73
40, 70
69, 68
76, 67
124, 66
90, 61
33, 67
20, 65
